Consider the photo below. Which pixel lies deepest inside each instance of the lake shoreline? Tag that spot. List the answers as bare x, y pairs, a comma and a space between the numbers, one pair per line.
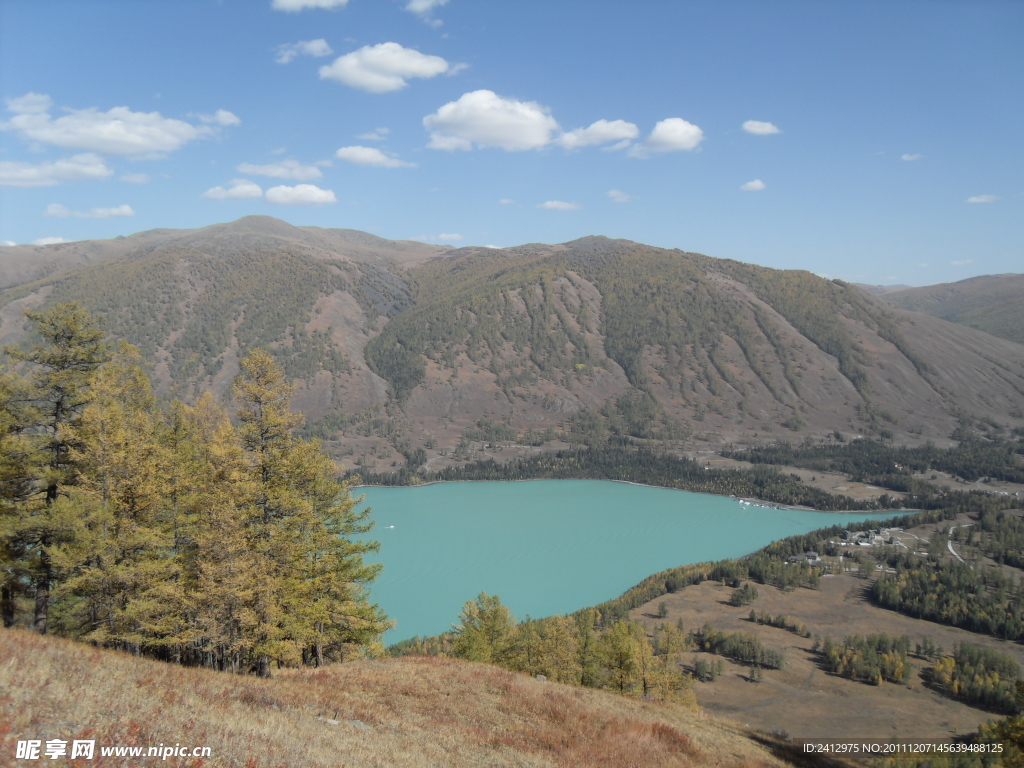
763, 503
551, 546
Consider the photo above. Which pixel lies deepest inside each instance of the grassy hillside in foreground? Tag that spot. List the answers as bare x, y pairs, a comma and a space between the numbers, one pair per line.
410, 712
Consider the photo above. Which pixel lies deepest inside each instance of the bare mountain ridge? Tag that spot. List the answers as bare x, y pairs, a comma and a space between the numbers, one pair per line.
396, 346
21, 264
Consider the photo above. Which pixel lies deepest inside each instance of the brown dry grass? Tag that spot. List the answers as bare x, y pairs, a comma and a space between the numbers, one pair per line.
802, 699
417, 712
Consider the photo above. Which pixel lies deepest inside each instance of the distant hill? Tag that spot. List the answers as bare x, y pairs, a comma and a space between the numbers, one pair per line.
880, 290
408, 352
990, 303
413, 711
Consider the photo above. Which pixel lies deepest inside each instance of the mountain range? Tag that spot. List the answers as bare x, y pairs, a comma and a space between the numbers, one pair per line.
402, 349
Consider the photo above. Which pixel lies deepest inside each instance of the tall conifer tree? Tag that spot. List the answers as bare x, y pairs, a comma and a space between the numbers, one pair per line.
62, 368
311, 585
120, 565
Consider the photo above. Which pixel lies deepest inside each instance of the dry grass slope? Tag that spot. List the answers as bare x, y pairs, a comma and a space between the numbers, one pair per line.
410, 712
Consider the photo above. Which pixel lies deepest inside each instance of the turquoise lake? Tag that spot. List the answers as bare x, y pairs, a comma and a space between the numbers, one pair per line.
551, 546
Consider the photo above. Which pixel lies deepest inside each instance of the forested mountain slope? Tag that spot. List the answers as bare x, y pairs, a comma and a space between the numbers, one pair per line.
991, 303
407, 352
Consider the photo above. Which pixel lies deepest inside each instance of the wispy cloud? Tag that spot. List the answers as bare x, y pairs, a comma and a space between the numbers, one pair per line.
425, 10
370, 156
911, 158
377, 134
753, 186
56, 210
982, 199
77, 167
619, 196
300, 194
760, 128
118, 131
293, 6
285, 169
287, 52
240, 189
962, 263
559, 205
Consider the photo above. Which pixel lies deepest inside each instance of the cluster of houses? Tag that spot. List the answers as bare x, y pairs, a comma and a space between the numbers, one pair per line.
870, 538
811, 558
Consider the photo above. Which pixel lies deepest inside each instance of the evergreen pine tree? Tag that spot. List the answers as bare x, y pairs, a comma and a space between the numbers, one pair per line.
61, 371
120, 588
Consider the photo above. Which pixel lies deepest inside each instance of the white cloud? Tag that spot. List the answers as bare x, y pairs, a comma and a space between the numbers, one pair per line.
911, 158
136, 178
61, 212
619, 197
8, 242
424, 7
30, 104
670, 135
297, 5
507, 201
220, 117
49, 241
454, 238
315, 48
118, 131
488, 120
760, 128
300, 194
753, 186
963, 263
371, 156
600, 132
286, 169
382, 68
377, 134
558, 205
240, 189
982, 199
425, 10
84, 166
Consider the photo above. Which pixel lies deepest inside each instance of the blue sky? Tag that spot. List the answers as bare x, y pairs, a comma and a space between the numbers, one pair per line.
876, 142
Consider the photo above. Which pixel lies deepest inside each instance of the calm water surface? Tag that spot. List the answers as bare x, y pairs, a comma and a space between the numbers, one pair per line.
551, 546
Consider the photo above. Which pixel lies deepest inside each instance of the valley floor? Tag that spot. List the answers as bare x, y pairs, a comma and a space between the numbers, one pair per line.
804, 700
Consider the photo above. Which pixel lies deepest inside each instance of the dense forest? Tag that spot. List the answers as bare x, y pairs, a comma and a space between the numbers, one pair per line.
979, 677
983, 600
167, 530
873, 461
637, 465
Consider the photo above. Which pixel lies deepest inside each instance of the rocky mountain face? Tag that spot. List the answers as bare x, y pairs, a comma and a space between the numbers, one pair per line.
403, 351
